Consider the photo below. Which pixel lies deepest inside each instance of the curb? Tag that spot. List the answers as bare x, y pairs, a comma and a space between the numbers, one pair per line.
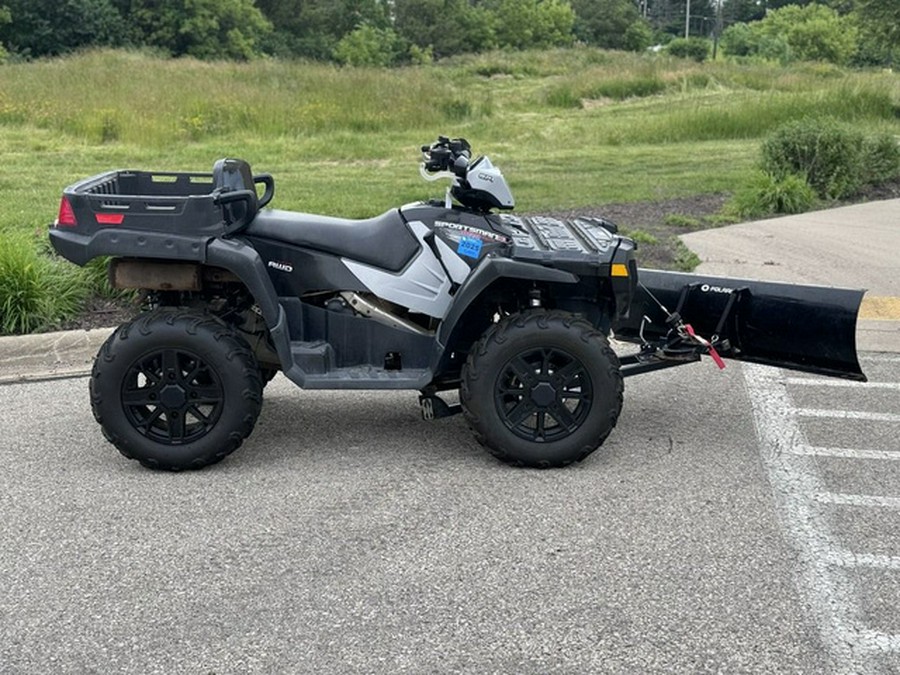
49, 356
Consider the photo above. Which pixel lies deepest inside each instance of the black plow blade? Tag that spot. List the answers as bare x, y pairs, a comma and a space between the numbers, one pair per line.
807, 328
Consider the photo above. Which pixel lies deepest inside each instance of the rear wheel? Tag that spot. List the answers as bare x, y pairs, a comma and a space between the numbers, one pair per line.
542, 389
176, 389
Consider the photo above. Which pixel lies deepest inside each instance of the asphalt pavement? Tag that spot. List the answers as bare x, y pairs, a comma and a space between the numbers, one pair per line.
737, 521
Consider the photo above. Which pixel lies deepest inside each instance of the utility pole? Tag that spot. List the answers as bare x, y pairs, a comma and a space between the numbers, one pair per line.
687, 20
717, 33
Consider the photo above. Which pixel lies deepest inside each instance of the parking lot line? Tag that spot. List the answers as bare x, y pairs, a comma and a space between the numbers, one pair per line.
880, 641
830, 594
846, 414
841, 499
828, 574
880, 358
846, 453
844, 558
843, 384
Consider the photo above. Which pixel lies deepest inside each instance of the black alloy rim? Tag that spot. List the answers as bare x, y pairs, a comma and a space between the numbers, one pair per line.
543, 395
172, 396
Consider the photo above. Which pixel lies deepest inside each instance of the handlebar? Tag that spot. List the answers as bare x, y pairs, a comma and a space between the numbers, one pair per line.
447, 154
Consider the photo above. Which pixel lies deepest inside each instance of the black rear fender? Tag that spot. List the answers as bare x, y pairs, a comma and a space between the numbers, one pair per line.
226, 261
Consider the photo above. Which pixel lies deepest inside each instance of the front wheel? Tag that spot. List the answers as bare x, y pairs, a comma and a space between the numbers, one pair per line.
542, 389
176, 389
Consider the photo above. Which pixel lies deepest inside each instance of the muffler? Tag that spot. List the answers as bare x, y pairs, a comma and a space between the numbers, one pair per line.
806, 328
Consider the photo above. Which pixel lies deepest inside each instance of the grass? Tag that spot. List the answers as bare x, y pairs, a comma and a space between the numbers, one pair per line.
570, 128
36, 291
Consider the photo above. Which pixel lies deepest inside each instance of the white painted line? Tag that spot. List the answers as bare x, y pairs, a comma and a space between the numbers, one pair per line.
840, 499
828, 589
844, 558
879, 641
879, 358
847, 415
845, 384
848, 453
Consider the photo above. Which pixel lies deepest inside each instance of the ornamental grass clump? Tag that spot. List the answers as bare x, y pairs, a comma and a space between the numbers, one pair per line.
766, 194
36, 292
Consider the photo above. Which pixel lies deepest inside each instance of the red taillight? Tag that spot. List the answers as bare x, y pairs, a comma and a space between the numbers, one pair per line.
110, 218
66, 217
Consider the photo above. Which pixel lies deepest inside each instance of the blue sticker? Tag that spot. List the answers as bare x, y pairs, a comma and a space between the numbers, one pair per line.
469, 247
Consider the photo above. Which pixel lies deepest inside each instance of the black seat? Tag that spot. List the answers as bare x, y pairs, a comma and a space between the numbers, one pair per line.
384, 241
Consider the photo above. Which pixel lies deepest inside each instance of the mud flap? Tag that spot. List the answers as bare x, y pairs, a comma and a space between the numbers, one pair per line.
807, 328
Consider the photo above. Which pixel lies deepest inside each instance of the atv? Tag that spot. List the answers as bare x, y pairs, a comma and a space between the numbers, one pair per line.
455, 294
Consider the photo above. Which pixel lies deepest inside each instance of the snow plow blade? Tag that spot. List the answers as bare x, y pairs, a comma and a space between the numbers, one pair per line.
806, 328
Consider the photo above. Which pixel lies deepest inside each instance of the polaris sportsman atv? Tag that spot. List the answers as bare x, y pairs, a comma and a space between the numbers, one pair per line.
514, 312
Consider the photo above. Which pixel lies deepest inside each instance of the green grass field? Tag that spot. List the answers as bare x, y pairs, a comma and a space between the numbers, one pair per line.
345, 141
569, 128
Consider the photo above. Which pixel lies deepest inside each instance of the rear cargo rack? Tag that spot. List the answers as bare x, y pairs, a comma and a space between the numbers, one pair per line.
176, 203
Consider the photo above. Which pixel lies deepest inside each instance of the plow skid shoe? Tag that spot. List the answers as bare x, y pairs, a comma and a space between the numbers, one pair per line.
807, 328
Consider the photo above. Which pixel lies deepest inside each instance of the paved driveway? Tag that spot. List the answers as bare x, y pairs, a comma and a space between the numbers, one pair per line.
347, 535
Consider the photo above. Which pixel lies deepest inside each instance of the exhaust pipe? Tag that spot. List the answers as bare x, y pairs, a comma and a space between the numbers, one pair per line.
806, 328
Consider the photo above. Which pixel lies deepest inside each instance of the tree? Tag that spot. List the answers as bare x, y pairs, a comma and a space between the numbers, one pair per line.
522, 24
51, 27
813, 32
446, 26
668, 16
612, 24
313, 28
205, 29
5, 17
369, 46
794, 33
741, 11
880, 21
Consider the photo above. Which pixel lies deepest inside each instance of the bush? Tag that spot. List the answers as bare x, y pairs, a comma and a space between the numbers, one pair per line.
767, 194
827, 152
881, 158
638, 36
35, 290
812, 32
369, 46
689, 48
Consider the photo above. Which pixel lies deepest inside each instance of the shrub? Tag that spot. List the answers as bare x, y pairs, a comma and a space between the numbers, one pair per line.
638, 36
812, 32
881, 158
35, 291
689, 48
829, 153
369, 46
767, 194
